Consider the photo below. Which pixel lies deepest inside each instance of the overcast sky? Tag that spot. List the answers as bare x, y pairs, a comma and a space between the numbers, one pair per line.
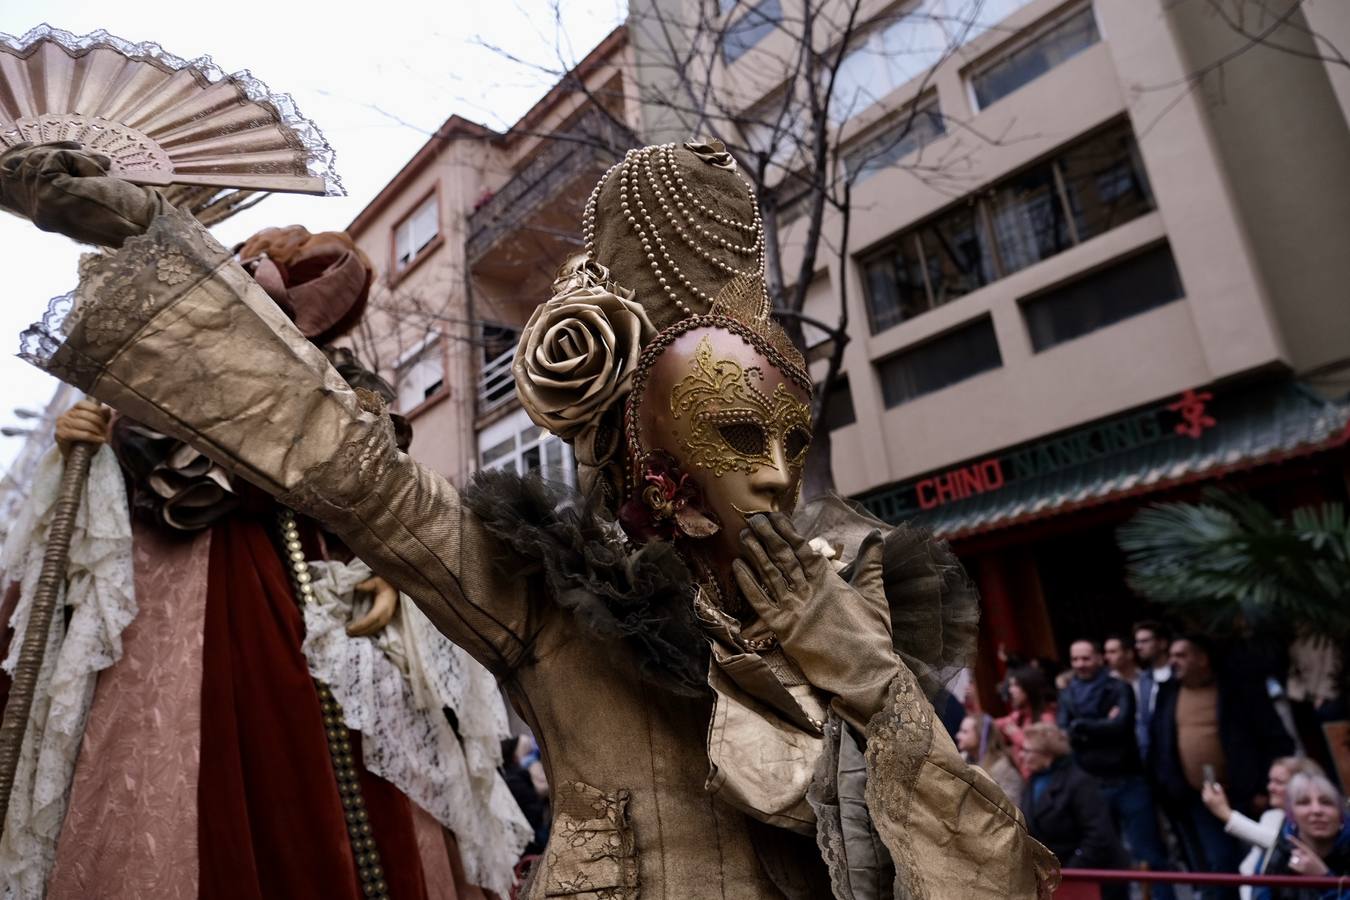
376, 85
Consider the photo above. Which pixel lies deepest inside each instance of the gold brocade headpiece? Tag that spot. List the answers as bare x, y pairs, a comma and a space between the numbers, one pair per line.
674, 241
679, 226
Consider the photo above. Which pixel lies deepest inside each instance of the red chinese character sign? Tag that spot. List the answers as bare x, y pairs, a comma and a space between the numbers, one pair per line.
1194, 419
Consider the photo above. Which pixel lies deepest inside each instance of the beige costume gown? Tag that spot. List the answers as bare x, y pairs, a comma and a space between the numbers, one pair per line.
173, 333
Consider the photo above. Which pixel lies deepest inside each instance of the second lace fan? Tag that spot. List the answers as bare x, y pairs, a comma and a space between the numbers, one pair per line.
161, 119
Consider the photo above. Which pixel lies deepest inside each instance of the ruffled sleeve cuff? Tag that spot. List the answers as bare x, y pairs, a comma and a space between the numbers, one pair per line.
170, 331
949, 828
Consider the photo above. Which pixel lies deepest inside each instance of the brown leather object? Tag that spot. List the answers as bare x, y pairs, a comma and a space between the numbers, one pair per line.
62, 188
321, 280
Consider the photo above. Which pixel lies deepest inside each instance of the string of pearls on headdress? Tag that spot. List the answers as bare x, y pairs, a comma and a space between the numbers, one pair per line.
675, 201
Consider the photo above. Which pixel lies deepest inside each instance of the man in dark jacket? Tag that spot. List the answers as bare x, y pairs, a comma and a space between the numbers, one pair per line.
1097, 712
1211, 724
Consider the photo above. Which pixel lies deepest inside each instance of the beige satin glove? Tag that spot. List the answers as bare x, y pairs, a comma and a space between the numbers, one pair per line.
838, 632
61, 187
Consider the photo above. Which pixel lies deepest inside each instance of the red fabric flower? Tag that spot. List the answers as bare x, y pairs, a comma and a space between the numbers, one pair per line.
666, 503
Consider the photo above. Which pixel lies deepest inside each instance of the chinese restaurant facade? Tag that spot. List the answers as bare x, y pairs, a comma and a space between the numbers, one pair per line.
1036, 524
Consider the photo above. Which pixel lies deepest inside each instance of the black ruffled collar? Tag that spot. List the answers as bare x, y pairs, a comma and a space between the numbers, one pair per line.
642, 598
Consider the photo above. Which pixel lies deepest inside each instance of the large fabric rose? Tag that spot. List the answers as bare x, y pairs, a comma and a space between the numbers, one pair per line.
577, 354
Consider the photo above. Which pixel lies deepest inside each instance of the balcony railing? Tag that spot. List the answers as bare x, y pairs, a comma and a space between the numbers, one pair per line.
592, 143
496, 384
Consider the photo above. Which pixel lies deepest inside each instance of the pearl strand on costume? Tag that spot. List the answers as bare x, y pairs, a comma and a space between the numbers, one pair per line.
670, 175
634, 209
660, 192
360, 833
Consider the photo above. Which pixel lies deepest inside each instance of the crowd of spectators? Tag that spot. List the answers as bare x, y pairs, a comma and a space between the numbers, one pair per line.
1155, 751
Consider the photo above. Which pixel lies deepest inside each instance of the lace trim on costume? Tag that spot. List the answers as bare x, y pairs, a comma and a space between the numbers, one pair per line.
319, 155
392, 689
100, 597
118, 295
898, 741
591, 853
329, 490
859, 864
39, 342
823, 795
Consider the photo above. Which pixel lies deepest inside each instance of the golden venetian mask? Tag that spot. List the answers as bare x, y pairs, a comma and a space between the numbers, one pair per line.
733, 425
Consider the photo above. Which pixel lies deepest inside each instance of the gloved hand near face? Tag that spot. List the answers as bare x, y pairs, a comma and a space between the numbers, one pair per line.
838, 632
64, 188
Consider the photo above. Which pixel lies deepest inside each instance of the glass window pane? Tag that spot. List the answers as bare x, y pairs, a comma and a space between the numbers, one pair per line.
1142, 282
1062, 41
403, 246
894, 281
750, 29
497, 452
420, 377
552, 453
839, 406
915, 39
772, 128
904, 136
1105, 182
424, 224
856, 84
1028, 217
915, 43
531, 459
795, 207
957, 254
1089, 188
939, 363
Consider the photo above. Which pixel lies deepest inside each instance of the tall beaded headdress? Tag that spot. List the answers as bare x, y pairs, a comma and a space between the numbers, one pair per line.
673, 242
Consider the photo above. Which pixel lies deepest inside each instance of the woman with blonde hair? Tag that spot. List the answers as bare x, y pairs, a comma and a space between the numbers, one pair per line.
1315, 840
982, 744
1261, 835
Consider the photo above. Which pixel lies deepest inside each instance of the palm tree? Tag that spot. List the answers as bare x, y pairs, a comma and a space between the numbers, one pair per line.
1230, 564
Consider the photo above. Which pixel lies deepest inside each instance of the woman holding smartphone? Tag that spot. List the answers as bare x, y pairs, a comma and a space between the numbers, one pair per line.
1315, 840
1261, 835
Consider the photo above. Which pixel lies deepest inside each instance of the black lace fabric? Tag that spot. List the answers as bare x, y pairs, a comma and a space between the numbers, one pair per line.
39, 342
642, 599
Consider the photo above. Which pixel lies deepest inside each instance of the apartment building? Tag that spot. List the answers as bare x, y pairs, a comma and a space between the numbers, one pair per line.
468, 237
1105, 266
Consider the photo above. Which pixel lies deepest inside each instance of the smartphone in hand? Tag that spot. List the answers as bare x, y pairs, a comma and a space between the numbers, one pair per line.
1208, 773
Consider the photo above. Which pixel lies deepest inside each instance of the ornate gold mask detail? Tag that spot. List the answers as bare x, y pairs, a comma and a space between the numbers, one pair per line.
732, 423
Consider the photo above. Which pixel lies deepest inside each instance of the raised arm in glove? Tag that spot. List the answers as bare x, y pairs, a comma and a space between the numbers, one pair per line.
66, 189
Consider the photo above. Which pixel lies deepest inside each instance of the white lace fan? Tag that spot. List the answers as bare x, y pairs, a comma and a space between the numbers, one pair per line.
161, 119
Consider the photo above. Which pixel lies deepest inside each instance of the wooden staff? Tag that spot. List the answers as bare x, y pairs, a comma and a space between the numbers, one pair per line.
45, 598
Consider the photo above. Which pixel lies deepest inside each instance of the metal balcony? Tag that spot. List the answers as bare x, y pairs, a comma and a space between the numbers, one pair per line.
563, 170
496, 384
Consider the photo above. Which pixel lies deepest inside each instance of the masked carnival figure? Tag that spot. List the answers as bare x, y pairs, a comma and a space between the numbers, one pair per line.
271, 721
730, 694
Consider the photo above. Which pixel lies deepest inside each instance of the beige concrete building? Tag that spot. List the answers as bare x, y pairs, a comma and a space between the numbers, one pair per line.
1102, 265
467, 237
1107, 263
